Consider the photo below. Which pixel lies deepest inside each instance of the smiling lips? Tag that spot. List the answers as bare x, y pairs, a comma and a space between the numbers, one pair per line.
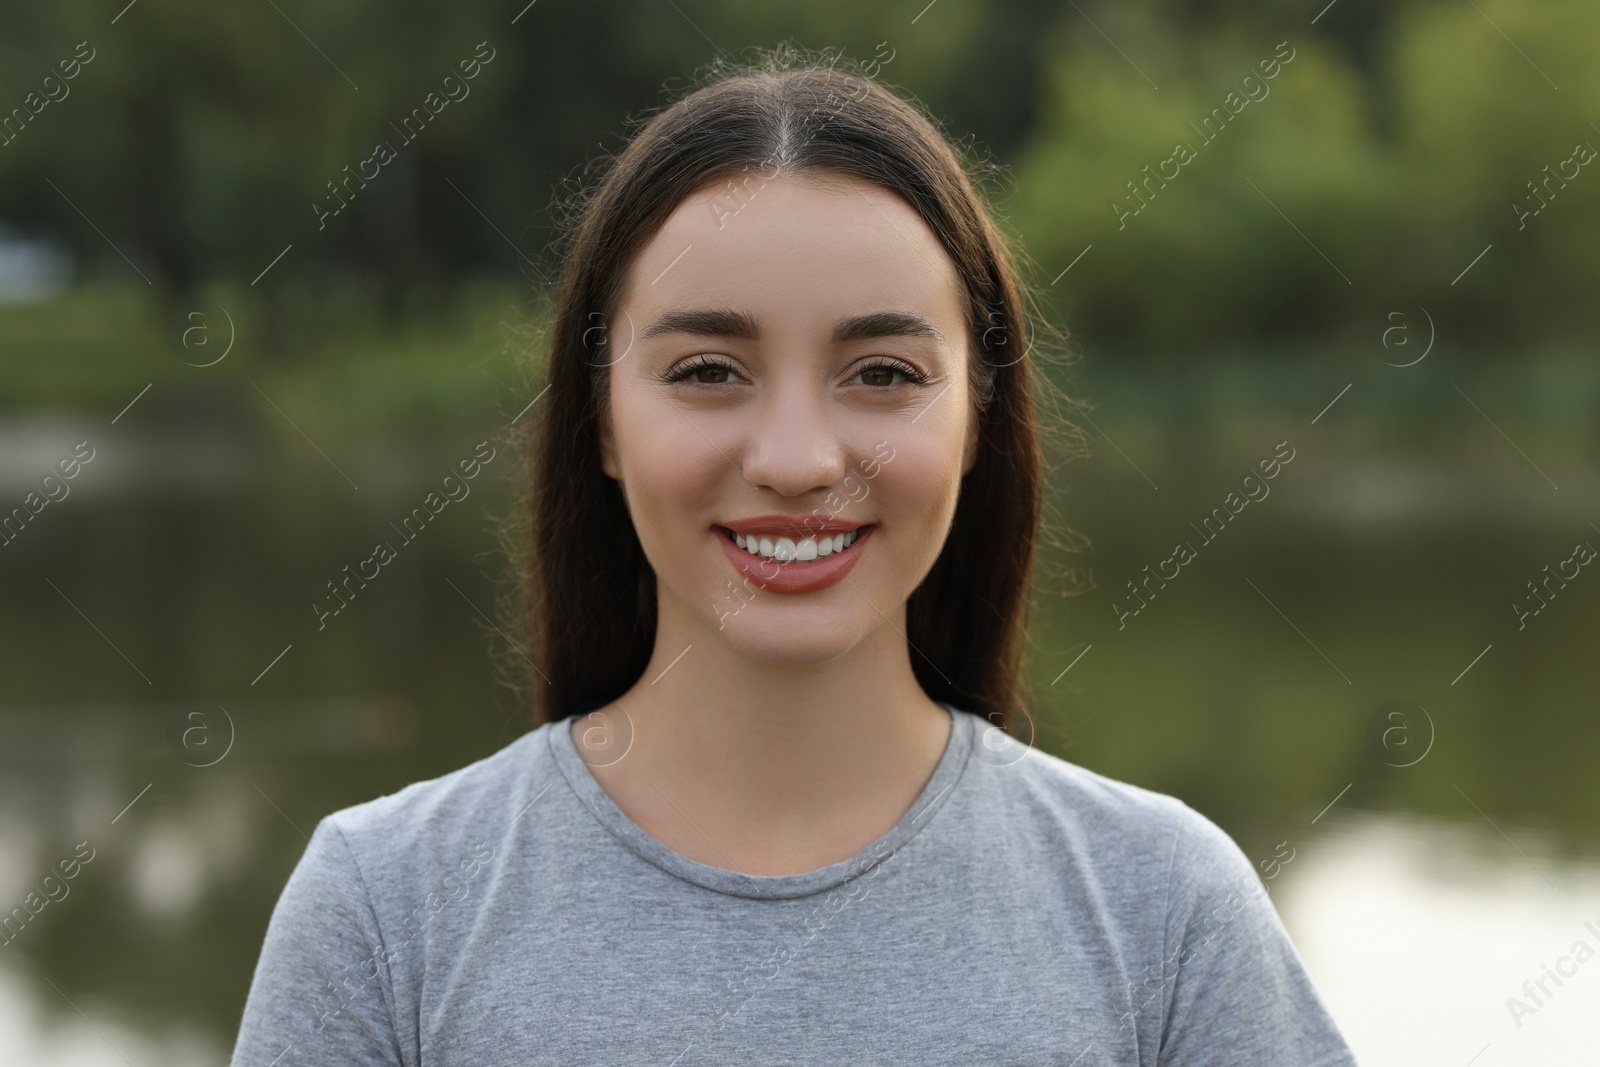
785, 554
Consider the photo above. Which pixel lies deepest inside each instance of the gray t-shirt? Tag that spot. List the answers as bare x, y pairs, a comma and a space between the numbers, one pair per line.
1024, 911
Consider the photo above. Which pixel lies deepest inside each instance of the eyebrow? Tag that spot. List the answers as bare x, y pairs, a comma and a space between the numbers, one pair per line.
726, 322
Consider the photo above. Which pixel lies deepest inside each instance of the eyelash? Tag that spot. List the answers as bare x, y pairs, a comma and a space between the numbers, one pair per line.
684, 371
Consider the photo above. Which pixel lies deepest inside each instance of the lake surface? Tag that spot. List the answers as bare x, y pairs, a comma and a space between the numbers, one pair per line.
1340, 668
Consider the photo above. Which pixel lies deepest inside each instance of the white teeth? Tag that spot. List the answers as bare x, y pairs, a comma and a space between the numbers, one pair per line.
787, 550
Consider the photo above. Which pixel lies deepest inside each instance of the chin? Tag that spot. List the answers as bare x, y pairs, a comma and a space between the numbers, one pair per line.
802, 639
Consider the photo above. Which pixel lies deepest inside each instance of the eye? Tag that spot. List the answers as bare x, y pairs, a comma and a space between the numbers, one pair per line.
882, 372
695, 369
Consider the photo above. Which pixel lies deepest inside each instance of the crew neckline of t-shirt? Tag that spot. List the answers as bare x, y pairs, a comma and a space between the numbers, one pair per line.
946, 773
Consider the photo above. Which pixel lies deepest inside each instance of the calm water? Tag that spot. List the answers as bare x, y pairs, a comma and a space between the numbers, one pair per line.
1339, 669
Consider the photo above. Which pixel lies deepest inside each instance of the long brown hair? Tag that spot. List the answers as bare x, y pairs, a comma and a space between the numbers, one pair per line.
586, 601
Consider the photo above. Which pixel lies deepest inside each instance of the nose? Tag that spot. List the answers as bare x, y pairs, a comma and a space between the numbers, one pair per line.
792, 445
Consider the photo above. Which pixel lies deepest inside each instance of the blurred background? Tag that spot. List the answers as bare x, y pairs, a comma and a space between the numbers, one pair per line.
1376, 249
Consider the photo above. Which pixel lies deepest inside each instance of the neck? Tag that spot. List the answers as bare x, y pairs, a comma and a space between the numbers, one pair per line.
762, 756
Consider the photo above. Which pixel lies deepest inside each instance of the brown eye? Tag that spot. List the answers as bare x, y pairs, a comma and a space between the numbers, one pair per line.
881, 375
696, 372
717, 375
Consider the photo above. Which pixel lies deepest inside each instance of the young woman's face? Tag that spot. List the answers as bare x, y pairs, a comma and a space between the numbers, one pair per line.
790, 361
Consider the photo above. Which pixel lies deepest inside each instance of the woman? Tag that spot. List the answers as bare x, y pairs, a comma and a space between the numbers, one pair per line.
786, 487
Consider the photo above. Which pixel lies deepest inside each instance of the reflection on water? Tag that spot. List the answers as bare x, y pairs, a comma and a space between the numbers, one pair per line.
1419, 932
193, 564
32, 1032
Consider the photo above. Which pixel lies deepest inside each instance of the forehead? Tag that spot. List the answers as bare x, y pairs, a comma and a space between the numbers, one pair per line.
785, 247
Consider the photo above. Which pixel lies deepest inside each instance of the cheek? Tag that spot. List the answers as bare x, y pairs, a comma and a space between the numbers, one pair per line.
927, 492
670, 471
917, 488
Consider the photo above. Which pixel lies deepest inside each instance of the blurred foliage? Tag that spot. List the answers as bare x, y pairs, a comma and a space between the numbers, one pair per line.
1398, 176
200, 137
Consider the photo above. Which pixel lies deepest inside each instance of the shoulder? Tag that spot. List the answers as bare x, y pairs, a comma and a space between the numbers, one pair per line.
1130, 832
1211, 974
346, 938
426, 824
